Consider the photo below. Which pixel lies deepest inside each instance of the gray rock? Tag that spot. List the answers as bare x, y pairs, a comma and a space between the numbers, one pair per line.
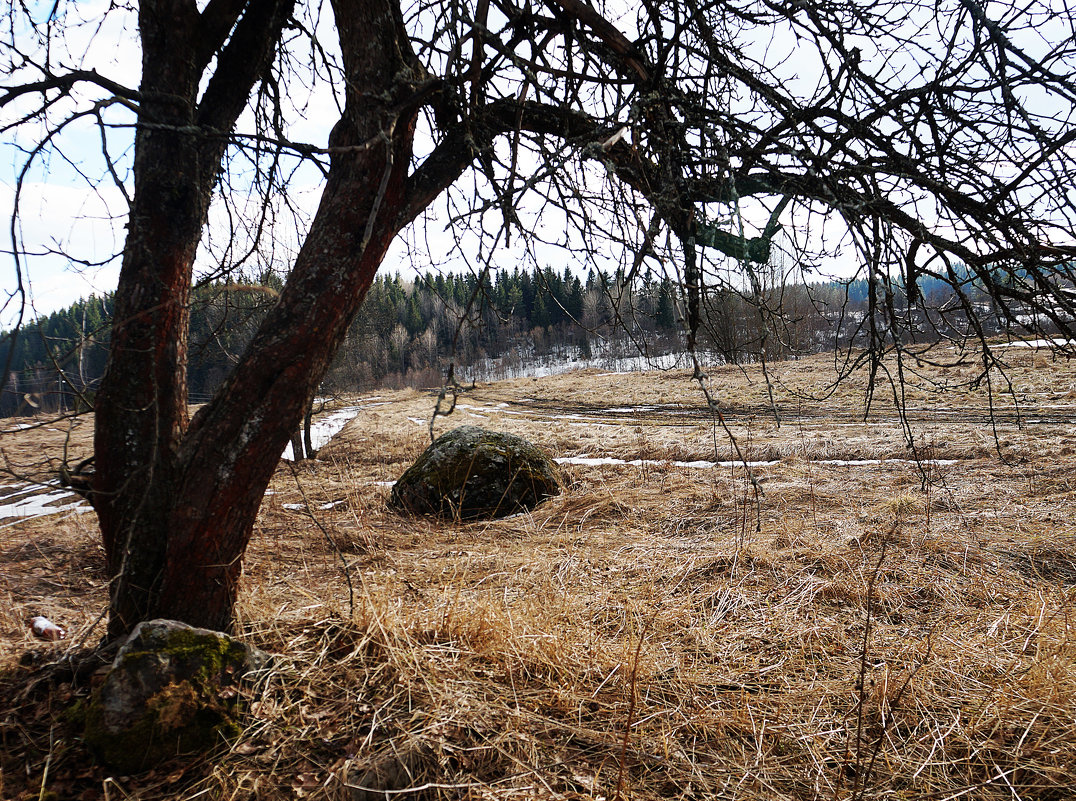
172, 689
474, 473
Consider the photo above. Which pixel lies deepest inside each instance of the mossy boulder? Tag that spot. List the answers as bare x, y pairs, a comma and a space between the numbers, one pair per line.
473, 473
172, 689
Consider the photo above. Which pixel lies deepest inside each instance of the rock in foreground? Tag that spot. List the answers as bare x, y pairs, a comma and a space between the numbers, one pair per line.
473, 473
172, 689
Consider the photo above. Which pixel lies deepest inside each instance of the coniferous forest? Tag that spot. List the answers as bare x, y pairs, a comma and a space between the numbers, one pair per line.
492, 326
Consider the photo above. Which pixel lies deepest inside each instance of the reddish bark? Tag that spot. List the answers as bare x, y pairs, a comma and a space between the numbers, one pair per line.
177, 499
177, 502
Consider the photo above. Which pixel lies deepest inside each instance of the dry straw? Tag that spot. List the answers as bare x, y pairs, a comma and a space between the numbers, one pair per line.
871, 631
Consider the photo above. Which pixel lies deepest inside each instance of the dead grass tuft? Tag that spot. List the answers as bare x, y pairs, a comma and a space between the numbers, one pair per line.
1048, 561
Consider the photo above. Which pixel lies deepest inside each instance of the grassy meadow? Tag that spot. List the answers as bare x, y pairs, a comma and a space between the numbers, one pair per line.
854, 619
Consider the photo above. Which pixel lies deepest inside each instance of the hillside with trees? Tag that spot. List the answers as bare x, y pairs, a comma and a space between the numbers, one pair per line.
497, 325
406, 335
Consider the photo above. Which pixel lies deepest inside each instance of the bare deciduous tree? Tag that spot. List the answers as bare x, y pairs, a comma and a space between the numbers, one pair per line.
911, 139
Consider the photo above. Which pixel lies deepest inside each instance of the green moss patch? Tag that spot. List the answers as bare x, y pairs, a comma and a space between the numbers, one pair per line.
170, 691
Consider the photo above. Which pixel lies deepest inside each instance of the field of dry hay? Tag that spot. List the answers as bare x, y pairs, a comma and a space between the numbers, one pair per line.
882, 629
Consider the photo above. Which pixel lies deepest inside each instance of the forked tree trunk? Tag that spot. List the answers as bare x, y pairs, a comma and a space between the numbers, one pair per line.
302, 439
176, 501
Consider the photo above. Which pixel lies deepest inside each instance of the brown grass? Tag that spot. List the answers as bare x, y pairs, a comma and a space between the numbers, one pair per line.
886, 631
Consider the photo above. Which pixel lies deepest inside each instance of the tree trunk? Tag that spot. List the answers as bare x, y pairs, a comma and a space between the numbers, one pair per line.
141, 406
302, 441
308, 439
297, 452
177, 502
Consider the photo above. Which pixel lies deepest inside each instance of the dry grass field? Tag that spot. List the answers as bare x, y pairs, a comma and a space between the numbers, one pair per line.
890, 628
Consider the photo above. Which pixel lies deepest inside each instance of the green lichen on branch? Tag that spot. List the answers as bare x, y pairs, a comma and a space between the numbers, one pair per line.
736, 247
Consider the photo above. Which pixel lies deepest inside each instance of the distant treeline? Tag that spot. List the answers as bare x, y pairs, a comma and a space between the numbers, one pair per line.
407, 332
55, 363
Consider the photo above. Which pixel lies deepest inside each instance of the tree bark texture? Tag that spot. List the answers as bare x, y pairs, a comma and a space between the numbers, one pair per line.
177, 500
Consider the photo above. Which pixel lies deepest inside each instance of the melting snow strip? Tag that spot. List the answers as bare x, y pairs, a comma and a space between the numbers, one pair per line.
1036, 343
301, 507
591, 461
41, 505
20, 489
863, 462
596, 461
323, 430
17, 427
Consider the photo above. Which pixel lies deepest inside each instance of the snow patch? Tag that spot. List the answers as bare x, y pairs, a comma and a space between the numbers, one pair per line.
40, 504
598, 461
1037, 343
612, 357
324, 429
867, 462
